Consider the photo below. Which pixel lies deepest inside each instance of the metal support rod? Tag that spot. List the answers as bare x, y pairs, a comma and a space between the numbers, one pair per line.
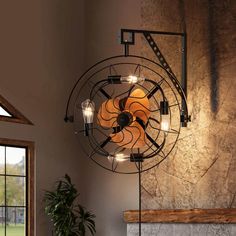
151, 32
184, 64
159, 54
126, 49
140, 195
184, 79
181, 86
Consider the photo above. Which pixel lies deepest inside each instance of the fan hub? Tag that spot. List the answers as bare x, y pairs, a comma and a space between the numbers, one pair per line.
124, 119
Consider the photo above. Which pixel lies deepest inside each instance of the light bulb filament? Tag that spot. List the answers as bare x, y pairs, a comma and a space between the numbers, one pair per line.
119, 157
88, 108
88, 111
131, 79
165, 122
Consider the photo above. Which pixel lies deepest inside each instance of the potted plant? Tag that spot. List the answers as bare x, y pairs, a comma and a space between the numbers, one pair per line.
68, 216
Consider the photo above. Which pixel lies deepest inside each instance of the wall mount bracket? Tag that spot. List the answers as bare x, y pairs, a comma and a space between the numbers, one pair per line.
128, 38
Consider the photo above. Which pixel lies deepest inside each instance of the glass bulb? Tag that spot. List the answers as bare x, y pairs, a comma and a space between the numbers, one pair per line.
165, 122
119, 157
88, 108
132, 79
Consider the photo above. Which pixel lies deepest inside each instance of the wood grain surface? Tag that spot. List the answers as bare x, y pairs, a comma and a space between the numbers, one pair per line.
183, 216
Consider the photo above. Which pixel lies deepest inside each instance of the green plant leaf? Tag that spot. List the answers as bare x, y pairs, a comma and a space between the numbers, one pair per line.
69, 218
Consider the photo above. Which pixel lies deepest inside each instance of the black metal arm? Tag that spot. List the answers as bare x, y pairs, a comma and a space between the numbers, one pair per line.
128, 38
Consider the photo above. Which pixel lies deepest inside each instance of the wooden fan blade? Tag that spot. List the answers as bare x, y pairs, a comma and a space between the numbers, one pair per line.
108, 112
132, 136
138, 104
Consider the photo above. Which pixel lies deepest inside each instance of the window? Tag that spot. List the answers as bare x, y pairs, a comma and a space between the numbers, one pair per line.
16, 188
3, 112
11, 114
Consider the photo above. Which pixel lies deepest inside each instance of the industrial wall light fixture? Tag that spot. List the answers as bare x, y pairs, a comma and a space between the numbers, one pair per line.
128, 110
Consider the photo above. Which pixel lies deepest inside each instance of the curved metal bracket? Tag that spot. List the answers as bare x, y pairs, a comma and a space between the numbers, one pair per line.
128, 38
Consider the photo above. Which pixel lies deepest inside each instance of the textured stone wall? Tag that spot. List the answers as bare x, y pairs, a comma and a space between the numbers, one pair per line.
201, 171
182, 230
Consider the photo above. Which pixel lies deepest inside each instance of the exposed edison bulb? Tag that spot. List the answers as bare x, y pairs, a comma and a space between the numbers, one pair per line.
88, 111
119, 157
132, 79
165, 122
88, 108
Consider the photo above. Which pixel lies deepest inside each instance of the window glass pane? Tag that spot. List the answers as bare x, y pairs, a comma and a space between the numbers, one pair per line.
15, 191
2, 159
13, 180
2, 192
3, 112
15, 221
2, 221
15, 161
2, 229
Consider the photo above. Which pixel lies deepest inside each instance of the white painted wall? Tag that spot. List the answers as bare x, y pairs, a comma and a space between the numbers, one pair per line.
44, 46
107, 193
41, 54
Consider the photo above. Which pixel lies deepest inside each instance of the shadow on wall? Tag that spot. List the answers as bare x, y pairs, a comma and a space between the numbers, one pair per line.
213, 45
200, 173
213, 60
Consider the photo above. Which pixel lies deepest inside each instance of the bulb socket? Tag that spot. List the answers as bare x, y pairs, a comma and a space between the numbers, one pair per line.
88, 129
136, 157
114, 79
164, 107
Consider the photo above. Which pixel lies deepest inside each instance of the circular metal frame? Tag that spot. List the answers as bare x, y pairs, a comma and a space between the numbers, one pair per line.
93, 141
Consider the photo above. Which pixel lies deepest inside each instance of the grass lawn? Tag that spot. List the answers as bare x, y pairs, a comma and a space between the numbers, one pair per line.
12, 230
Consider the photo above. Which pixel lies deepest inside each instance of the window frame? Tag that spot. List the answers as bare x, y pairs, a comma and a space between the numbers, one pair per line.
16, 115
30, 149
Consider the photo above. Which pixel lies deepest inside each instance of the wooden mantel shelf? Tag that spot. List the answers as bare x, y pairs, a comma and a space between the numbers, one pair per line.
183, 216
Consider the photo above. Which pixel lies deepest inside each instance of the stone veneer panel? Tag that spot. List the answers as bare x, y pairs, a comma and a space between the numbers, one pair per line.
182, 229
201, 171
